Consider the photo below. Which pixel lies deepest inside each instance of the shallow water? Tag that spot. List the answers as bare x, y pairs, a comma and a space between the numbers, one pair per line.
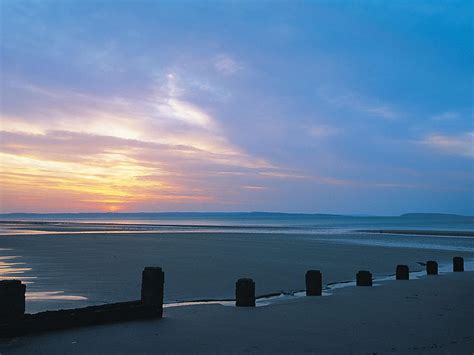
337, 229
229, 222
46, 291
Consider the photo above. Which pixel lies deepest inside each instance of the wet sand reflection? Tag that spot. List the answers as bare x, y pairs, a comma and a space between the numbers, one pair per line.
11, 268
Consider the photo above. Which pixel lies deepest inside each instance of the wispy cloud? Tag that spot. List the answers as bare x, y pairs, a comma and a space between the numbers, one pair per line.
169, 105
462, 144
252, 187
322, 131
117, 152
225, 64
356, 102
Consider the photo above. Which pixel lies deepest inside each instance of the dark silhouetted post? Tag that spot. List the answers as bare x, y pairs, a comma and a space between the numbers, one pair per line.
402, 272
364, 278
12, 299
245, 293
458, 264
431, 267
153, 280
314, 283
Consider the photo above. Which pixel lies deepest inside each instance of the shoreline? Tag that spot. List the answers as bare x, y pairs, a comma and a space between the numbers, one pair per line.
19, 227
328, 289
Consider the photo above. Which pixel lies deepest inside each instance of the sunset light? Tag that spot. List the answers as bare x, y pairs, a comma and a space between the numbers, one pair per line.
235, 177
200, 120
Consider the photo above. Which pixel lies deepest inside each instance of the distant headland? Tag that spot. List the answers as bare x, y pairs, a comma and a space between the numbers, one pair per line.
206, 215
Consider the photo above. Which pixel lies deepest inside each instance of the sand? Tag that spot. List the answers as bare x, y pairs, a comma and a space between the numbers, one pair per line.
107, 267
431, 315
434, 315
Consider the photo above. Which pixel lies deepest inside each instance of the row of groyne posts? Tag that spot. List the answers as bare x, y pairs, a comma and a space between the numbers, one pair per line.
245, 288
14, 321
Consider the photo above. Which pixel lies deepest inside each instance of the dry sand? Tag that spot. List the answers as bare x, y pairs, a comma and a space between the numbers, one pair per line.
434, 315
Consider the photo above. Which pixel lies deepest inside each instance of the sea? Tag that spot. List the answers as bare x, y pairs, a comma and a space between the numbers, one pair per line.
419, 230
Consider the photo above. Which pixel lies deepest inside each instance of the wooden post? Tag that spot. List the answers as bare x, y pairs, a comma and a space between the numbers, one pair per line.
314, 283
458, 264
431, 267
12, 299
364, 278
402, 272
153, 279
245, 293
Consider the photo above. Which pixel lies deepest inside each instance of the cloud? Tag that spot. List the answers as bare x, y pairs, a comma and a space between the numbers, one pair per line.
251, 187
356, 102
103, 172
323, 131
461, 145
224, 64
125, 151
185, 112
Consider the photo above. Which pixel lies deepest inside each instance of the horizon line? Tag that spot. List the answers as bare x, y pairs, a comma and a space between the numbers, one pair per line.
233, 213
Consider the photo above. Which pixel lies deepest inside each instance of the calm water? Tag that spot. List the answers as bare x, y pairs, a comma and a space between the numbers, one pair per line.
237, 222
332, 228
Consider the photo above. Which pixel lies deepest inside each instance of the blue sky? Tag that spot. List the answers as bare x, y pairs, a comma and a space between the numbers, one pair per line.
302, 106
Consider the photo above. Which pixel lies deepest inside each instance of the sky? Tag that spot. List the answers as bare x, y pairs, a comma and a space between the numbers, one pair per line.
298, 106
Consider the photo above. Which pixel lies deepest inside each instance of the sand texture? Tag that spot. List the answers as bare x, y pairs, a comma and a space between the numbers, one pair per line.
434, 315
107, 268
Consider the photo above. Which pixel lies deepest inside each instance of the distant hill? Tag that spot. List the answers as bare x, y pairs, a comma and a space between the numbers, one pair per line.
153, 215
434, 216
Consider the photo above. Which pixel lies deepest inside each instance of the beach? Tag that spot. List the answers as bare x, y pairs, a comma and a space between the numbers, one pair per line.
433, 315
100, 264
96, 268
232, 177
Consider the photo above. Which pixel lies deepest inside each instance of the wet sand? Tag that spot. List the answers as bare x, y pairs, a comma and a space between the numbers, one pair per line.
105, 268
433, 315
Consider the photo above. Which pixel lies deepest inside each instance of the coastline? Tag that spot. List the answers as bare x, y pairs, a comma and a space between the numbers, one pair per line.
446, 233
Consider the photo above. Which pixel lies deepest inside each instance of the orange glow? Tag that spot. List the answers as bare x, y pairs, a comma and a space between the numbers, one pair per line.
114, 208
110, 185
111, 154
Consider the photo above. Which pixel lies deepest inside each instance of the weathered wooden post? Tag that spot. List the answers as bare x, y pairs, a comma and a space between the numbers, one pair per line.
431, 267
245, 293
364, 278
458, 264
153, 279
314, 283
403, 272
12, 299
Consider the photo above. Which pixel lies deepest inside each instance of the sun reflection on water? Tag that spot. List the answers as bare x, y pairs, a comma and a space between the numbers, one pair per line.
11, 269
